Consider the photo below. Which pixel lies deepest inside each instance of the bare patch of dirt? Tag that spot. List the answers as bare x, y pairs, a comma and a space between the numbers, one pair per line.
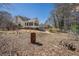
13, 43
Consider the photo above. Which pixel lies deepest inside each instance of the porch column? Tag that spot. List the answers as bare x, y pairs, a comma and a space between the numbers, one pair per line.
33, 24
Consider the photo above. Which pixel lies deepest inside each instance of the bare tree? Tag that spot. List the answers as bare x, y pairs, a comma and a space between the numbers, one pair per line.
62, 15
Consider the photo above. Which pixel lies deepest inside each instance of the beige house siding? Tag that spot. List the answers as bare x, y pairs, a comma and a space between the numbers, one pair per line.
19, 21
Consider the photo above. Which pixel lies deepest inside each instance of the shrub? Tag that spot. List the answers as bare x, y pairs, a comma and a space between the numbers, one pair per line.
53, 30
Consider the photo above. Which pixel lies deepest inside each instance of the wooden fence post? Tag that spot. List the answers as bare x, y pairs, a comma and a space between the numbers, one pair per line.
33, 37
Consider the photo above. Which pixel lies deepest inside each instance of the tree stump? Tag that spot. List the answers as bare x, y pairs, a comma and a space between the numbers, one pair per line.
33, 37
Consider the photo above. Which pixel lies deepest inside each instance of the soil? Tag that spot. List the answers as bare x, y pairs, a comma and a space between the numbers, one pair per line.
18, 43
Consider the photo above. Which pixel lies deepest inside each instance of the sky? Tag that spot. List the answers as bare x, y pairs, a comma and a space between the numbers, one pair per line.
32, 10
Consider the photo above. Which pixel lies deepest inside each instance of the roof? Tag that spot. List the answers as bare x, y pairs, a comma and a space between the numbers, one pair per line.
33, 20
23, 18
28, 19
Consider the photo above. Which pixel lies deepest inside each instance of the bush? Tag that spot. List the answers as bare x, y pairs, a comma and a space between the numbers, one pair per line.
75, 27
53, 30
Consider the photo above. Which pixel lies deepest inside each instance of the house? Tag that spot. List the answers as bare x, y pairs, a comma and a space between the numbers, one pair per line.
25, 22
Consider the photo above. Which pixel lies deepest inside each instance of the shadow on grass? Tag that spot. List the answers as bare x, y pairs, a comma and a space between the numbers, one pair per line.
37, 43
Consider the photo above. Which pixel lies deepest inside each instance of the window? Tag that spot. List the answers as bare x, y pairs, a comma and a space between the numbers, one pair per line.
30, 24
25, 24
36, 24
